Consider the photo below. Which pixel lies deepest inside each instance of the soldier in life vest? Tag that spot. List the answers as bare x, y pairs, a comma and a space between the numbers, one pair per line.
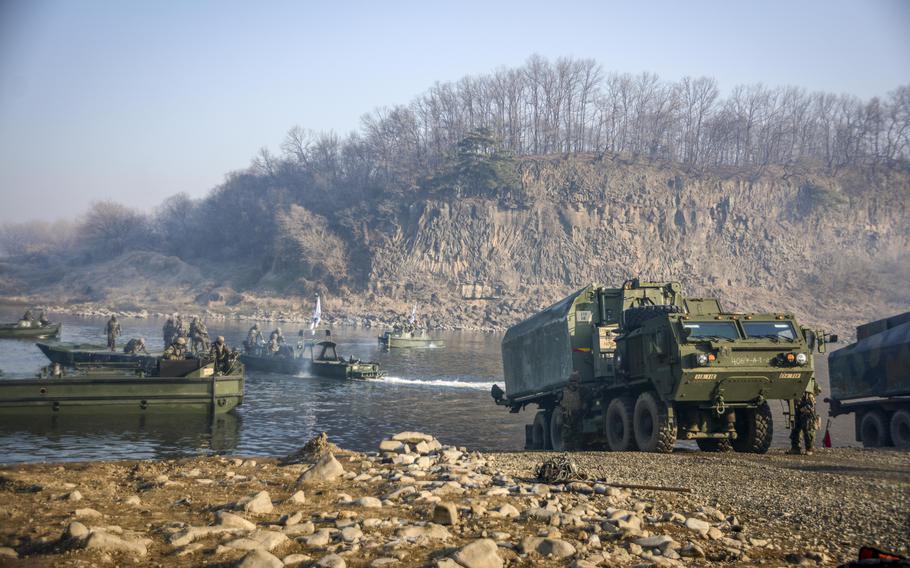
221, 355
253, 338
199, 334
176, 351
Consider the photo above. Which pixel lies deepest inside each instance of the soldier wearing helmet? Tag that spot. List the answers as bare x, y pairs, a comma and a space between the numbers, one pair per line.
805, 425
221, 355
176, 351
113, 332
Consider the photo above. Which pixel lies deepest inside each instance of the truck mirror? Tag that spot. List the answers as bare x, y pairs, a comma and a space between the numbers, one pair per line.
832, 338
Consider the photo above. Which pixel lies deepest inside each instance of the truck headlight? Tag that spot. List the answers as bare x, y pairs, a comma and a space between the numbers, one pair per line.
702, 359
802, 358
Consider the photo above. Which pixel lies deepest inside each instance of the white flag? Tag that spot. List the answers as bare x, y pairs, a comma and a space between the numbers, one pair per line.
317, 316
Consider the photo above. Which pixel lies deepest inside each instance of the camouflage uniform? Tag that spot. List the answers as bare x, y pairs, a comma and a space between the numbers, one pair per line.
221, 355
113, 332
181, 328
200, 335
253, 338
571, 407
176, 351
169, 330
805, 425
135, 346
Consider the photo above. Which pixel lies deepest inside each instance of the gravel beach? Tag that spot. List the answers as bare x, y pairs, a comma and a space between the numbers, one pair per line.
417, 502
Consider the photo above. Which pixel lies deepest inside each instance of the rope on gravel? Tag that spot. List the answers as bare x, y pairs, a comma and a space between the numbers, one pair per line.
559, 469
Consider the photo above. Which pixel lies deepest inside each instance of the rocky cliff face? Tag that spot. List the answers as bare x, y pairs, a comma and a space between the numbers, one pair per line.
834, 250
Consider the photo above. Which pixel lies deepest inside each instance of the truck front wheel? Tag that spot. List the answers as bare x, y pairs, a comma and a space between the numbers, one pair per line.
655, 431
873, 429
754, 430
900, 429
540, 431
618, 426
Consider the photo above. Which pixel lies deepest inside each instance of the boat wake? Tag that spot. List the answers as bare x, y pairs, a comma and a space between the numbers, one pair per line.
438, 383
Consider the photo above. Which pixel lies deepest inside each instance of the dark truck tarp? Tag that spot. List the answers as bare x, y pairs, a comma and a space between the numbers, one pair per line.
537, 353
877, 366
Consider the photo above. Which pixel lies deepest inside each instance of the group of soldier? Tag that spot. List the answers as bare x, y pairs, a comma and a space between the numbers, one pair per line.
195, 332
29, 320
176, 333
276, 344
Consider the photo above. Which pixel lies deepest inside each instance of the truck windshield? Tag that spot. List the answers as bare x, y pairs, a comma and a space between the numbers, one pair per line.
769, 330
700, 330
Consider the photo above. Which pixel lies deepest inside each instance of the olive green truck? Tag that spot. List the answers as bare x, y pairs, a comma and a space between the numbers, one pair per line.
871, 380
655, 367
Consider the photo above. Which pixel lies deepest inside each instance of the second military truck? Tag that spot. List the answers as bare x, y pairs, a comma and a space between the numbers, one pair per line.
653, 366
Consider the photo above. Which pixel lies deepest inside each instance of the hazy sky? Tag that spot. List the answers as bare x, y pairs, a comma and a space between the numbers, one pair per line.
137, 100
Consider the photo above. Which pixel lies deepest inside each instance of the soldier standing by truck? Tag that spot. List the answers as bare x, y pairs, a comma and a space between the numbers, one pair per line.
113, 332
805, 425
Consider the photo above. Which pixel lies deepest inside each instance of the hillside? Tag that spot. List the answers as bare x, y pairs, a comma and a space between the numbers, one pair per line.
832, 249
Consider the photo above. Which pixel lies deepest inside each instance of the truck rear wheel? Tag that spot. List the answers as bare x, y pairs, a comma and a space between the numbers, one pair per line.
754, 430
873, 429
900, 429
618, 424
540, 431
655, 431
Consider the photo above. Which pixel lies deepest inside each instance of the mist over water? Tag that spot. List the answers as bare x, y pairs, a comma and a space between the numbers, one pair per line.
440, 391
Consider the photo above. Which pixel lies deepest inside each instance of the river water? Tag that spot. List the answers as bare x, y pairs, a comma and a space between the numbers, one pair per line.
440, 391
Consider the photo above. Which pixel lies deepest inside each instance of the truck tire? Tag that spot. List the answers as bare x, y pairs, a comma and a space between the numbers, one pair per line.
714, 444
557, 444
654, 430
873, 429
634, 317
618, 424
540, 431
900, 429
754, 430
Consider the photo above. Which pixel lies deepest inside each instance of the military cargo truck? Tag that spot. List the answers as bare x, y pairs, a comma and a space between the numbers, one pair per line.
871, 378
654, 366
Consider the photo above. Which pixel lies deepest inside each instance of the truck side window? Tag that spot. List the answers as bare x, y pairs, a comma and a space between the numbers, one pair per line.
660, 341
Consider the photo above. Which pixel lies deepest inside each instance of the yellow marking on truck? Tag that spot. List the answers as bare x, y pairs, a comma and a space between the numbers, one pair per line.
790, 375
705, 376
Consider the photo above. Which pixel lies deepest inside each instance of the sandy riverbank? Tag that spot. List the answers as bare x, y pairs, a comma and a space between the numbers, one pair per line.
418, 503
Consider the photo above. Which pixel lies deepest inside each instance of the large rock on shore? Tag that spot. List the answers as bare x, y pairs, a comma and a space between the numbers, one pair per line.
106, 542
325, 470
481, 553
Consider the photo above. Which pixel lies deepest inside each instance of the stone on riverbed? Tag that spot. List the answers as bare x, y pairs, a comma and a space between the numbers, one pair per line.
482, 553
264, 539
445, 514
225, 519
259, 503
325, 470
259, 558
331, 561
412, 437
106, 542
544, 546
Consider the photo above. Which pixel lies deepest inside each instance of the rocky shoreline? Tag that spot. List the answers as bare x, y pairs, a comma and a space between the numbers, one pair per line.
417, 502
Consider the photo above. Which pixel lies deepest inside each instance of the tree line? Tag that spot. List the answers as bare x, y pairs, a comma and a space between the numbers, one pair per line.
571, 106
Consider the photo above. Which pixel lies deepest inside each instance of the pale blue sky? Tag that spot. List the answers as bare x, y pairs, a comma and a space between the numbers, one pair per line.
137, 100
